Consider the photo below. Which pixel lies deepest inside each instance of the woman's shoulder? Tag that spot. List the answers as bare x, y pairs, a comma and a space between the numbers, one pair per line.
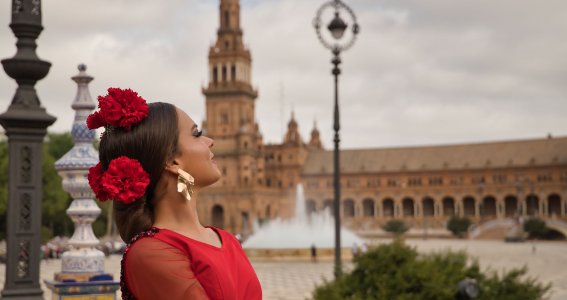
150, 248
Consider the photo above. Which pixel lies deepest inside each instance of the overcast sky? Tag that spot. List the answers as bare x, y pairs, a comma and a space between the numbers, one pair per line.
422, 72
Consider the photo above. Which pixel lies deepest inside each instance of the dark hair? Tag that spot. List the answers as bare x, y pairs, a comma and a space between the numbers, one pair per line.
152, 143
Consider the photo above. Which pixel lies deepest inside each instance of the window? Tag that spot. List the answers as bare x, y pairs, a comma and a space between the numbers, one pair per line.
499, 178
373, 182
226, 18
435, 180
352, 183
392, 182
544, 177
224, 118
478, 179
457, 180
414, 181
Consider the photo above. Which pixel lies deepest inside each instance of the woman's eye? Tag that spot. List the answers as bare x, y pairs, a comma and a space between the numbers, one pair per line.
198, 133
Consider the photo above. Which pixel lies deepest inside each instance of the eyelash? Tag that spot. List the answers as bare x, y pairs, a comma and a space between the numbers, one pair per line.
198, 133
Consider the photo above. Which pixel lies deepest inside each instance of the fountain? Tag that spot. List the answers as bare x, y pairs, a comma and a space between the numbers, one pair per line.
300, 232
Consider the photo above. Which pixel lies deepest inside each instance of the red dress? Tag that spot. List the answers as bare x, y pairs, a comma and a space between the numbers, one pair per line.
172, 266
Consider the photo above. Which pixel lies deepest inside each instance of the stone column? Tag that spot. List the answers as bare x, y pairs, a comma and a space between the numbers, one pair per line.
26, 124
83, 265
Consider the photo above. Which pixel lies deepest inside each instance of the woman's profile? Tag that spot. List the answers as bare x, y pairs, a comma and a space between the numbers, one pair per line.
154, 161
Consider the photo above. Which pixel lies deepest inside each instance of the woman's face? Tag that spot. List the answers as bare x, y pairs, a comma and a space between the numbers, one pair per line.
194, 154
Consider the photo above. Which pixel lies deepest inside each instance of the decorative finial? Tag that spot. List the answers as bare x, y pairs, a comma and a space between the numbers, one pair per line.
82, 67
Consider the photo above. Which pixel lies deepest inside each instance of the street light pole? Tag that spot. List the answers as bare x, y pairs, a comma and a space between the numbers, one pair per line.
336, 29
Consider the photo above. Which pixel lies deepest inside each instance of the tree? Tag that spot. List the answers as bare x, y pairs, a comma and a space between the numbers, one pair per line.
459, 226
55, 200
535, 228
397, 227
396, 272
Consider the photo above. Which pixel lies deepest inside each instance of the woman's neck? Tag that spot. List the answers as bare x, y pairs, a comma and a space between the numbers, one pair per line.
175, 212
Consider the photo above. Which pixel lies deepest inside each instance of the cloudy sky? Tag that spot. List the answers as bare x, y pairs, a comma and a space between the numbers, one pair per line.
422, 72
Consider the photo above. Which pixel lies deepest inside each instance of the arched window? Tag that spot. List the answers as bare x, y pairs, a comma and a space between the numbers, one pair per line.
532, 205
428, 207
469, 206
448, 206
227, 18
218, 216
554, 205
489, 206
368, 208
408, 207
388, 207
511, 206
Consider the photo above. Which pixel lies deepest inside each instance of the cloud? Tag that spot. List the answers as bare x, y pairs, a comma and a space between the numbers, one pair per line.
421, 72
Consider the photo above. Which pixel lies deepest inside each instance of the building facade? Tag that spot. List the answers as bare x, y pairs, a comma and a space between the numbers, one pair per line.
423, 186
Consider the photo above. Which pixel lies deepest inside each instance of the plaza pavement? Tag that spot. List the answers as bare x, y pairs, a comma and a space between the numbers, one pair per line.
280, 280
295, 280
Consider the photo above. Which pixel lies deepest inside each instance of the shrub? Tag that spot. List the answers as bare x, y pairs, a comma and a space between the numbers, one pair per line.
397, 227
535, 228
459, 226
396, 272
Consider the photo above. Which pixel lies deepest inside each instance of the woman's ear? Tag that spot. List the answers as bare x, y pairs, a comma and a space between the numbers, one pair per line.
172, 166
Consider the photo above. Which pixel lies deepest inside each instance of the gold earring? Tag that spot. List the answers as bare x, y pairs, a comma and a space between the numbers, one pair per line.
185, 182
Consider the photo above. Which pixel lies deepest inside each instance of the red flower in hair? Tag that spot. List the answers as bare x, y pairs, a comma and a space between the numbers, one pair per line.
95, 176
95, 120
125, 180
119, 108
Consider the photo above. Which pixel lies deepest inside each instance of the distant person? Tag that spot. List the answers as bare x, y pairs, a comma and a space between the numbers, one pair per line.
364, 248
313, 253
354, 250
154, 161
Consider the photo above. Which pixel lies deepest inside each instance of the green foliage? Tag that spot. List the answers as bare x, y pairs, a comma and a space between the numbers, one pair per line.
99, 225
397, 227
58, 144
55, 200
459, 226
397, 272
535, 228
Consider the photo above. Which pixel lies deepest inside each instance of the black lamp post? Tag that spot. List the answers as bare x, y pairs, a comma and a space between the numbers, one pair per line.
25, 123
337, 44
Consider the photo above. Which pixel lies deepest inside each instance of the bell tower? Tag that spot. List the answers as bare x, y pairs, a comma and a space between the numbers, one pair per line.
230, 103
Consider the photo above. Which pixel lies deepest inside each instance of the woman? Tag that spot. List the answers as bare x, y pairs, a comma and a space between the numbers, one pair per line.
153, 163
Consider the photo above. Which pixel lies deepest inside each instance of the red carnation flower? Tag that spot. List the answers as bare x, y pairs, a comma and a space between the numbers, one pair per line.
125, 180
123, 108
119, 108
95, 120
94, 177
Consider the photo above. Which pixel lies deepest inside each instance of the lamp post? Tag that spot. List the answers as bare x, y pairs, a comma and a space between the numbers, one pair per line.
26, 124
337, 43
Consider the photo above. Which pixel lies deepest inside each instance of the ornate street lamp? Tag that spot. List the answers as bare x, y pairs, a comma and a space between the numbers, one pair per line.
26, 124
337, 44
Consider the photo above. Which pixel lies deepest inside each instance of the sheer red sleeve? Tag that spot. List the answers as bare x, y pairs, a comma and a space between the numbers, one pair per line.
156, 270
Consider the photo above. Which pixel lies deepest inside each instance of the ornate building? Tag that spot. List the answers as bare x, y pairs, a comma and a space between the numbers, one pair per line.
421, 185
